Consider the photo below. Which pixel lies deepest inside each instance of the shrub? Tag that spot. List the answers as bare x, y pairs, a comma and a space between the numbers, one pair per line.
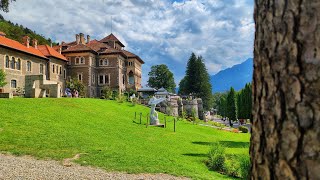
216, 159
106, 93
120, 98
245, 166
243, 129
232, 167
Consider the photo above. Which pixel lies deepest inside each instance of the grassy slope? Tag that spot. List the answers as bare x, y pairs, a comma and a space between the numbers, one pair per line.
61, 128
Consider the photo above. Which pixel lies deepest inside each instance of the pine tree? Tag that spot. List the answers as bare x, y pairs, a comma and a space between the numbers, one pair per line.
197, 81
231, 105
191, 75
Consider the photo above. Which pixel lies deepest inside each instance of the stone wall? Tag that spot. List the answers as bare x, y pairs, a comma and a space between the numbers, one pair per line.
36, 86
176, 107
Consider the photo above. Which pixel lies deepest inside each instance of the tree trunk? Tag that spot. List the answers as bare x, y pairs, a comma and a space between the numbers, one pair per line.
285, 141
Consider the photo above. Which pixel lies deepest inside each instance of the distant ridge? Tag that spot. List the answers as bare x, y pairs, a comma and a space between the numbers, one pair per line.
236, 76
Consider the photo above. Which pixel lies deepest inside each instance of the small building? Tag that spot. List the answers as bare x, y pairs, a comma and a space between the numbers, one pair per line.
146, 92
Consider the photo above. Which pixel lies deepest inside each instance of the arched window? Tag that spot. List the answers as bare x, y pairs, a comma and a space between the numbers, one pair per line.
60, 70
106, 62
7, 61
53, 68
13, 63
57, 69
131, 77
18, 64
77, 60
13, 83
29, 66
82, 60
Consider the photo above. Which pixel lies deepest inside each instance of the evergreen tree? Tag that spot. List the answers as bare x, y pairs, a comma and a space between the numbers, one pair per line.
231, 105
191, 75
182, 86
160, 76
197, 81
244, 102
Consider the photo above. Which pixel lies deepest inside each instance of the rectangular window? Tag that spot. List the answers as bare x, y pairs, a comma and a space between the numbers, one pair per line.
64, 74
29, 66
13, 84
106, 79
101, 79
41, 68
53, 68
60, 70
80, 77
93, 78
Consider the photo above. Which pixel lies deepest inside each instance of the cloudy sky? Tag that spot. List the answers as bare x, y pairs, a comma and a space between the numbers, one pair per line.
159, 31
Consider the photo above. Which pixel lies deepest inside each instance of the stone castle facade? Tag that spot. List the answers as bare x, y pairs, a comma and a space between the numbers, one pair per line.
43, 70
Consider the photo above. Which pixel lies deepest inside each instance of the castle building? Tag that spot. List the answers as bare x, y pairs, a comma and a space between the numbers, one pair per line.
43, 70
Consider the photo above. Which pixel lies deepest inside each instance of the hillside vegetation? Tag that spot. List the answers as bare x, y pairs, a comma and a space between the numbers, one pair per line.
16, 32
107, 132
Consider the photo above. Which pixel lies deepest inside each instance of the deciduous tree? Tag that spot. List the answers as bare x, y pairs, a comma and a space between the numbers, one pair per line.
2, 78
160, 76
4, 5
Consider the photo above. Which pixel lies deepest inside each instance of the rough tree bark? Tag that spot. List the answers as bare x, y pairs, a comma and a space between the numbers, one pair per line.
285, 141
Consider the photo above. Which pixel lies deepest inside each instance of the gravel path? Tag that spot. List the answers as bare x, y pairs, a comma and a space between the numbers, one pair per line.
26, 167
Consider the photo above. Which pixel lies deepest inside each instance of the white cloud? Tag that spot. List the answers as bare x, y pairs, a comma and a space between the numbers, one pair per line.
158, 31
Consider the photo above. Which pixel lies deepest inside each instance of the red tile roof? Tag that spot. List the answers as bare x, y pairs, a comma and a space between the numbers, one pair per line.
131, 55
49, 51
111, 37
77, 48
18, 46
96, 45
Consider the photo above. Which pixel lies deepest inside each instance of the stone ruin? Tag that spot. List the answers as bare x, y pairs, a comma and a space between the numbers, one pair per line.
176, 106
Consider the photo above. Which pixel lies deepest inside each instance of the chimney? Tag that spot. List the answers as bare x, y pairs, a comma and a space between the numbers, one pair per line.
82, 38
77, 38
26, 41
60, 49
88, 39
35, 43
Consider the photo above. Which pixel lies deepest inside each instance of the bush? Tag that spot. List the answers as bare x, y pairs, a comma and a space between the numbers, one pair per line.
216, 160
120, 98
243, 129
232, 167
106, 93
245, 166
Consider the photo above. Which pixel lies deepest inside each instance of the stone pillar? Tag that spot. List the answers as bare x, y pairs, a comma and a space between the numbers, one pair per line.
200, 109
191, 105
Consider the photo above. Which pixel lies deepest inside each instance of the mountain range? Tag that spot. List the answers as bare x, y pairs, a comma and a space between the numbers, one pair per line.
236, 76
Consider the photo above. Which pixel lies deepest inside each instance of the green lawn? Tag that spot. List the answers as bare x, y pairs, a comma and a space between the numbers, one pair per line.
60, 128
